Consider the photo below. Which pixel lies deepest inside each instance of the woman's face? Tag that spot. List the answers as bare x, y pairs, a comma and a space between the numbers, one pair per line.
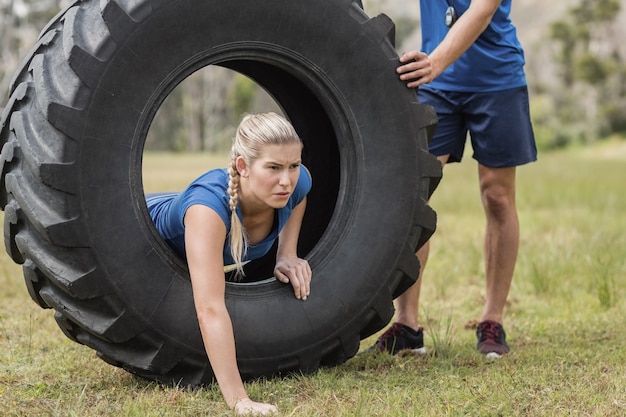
271, 179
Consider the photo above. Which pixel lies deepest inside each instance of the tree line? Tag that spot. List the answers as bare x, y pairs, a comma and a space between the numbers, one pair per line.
587, 99
581, 100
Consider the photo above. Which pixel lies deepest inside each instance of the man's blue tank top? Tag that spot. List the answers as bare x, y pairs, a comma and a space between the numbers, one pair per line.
494, 62
210, 189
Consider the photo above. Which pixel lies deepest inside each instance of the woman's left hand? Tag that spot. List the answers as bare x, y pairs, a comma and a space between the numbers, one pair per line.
296, 271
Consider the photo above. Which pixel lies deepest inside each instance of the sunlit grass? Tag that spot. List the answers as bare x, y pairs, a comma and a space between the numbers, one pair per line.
564, 320
172, 172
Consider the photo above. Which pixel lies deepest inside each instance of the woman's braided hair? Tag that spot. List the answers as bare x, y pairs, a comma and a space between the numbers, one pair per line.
253, 133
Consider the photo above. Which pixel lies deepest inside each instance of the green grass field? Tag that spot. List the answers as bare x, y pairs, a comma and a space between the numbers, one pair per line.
565, 319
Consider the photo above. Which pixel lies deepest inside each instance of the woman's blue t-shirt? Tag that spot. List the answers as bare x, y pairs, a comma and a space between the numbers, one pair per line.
210, 189
494, 62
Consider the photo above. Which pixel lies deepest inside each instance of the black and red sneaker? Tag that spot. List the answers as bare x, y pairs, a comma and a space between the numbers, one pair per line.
400, 338
491, 339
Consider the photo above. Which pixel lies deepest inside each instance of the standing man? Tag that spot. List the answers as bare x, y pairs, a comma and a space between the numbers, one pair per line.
471, 72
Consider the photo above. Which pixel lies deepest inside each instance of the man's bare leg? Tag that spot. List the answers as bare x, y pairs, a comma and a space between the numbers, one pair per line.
497, 189
407, 304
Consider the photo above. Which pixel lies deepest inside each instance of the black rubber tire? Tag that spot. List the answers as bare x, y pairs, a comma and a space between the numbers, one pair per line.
73, 135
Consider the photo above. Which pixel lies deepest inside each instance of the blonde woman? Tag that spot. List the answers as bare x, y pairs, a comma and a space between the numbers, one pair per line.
228, 217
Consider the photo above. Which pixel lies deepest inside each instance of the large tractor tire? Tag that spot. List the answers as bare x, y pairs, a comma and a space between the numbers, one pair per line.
73, 135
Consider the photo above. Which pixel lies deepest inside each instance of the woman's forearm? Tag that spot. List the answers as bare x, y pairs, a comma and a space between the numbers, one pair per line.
288, 240
219, 342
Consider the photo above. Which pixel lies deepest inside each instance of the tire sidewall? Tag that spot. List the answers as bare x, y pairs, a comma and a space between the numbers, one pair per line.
353, 77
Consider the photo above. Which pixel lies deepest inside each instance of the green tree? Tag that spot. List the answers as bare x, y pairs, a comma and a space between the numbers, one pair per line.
589, 99
20, 24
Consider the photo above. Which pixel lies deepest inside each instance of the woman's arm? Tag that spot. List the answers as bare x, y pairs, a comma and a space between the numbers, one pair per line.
205, 234
290, 268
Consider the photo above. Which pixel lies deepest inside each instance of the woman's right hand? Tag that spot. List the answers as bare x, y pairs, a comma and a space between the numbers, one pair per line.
205, 234
246, 406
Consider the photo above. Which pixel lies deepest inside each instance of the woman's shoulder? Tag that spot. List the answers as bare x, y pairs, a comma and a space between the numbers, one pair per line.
212, 184
209, 189
305, 176
303, 186
214, 181
213, 176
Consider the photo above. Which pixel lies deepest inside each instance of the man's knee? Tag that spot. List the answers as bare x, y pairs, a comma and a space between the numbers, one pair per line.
498, 201
497, 190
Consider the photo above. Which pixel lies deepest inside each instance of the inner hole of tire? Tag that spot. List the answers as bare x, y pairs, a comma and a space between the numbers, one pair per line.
192, 132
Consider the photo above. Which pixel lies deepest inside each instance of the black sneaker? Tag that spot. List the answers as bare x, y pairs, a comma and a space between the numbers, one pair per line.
491, 339
400, 338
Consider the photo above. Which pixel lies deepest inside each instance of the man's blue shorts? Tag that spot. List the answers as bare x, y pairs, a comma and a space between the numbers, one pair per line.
498, 123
